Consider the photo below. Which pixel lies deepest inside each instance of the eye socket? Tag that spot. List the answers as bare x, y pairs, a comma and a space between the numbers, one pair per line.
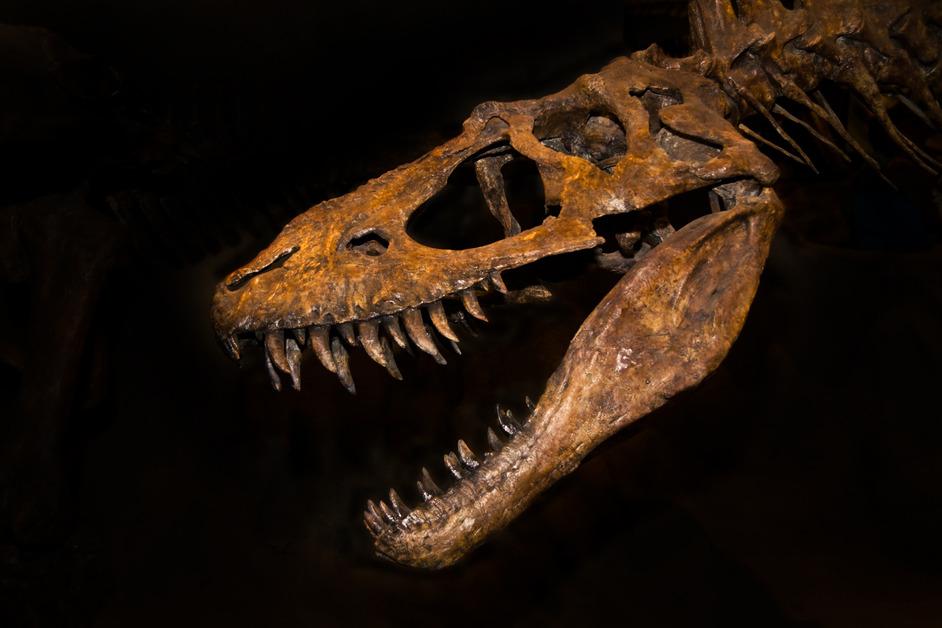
370, 243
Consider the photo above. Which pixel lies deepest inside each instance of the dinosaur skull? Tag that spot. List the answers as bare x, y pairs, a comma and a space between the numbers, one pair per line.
619, 141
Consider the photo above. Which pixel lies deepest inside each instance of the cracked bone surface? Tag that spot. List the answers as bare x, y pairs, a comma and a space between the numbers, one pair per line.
347, 275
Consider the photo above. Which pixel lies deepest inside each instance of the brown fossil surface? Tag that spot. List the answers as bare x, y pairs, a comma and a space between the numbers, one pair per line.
624, 142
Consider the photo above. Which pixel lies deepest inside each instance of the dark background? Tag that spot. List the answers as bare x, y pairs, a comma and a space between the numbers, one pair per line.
149, 148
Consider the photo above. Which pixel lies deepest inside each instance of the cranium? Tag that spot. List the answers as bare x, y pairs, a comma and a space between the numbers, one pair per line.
619, 141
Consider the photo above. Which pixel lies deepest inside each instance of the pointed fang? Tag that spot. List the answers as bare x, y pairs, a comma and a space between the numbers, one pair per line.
436, 312
398, 505
275, 349
320, 342
342, 361
467, 456
428, 484
293, 357
451, 461
416, 329
470, 302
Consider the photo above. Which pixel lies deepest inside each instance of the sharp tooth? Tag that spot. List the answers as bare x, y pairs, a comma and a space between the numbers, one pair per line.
498, 282
470, 302
293, 357
415, 326
231, 344
391, 323
529, 403
455, 347
389, 515
398, 505
369, 338
346, 331
320, 342
423, 491
467, 456
506, 420
301, 335
342, 361
373, 524
428, 484
493, 441
377, 348
272, 373
373, 510
451, 461
275, 348
436, 312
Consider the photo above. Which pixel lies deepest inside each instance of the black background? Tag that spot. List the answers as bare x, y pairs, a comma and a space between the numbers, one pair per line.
798, 486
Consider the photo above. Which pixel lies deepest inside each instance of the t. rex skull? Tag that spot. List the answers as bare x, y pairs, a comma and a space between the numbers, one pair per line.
619, 141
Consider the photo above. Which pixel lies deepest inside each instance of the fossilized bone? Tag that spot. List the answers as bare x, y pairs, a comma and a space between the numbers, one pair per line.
644, 129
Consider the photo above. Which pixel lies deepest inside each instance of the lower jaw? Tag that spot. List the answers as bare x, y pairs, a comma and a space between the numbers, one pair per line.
629, 356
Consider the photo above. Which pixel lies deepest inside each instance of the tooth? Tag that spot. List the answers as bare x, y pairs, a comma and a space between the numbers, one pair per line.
455, 347
293, 357
415, 326
377, 348
346, 331
467, 456
373, 524
398, 505
231, 344
529, 403
373, 510
451, 461
493, 441
272, 373
428, 484
301, 335
470, 302
391, 323
320, 342
422, 491
342, 361
436, 312
275, 348
506, 420
388, 513
498, 282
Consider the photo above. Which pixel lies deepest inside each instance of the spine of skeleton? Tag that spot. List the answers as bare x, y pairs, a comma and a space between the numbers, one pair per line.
772, 59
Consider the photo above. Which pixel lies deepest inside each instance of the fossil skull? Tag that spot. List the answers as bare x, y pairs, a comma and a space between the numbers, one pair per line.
619, 141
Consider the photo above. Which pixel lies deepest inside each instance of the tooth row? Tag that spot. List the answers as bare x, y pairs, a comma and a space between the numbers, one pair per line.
378, 517
283, 351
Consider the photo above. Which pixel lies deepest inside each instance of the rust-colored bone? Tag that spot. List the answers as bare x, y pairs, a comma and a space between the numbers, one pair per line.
643, 130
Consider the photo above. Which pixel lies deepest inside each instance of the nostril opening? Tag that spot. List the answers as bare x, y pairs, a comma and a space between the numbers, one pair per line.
241, 278
370, 243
